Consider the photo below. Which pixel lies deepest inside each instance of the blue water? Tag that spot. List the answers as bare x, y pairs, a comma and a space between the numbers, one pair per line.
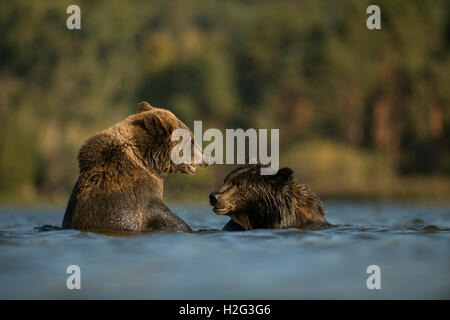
410, 244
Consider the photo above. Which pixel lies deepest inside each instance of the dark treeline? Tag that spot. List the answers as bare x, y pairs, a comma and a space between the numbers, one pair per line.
360, 111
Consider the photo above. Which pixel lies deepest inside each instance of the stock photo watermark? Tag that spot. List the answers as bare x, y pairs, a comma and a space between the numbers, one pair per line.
374, 20
73, 22
74, 280
374, 280
214, 152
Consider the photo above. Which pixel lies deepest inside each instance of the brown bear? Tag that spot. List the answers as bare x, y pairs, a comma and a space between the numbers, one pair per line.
121, 175
255, 201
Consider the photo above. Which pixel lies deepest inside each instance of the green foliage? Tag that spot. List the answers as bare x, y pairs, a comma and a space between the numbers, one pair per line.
310, 68
18, 157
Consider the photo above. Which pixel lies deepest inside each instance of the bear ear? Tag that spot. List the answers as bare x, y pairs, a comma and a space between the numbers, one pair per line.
144, 106
285, 173
156, 125
282, 177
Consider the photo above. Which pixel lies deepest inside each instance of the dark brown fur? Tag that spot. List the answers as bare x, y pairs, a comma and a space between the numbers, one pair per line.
122, 170
255, 201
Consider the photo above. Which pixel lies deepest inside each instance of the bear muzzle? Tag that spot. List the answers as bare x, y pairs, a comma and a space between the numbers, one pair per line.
219, 208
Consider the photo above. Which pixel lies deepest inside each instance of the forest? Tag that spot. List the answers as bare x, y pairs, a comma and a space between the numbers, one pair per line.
362, 113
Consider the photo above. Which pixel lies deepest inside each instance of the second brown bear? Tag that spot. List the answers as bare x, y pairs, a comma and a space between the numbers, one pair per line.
255, 201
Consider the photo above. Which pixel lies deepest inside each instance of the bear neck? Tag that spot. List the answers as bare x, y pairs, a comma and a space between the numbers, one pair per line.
153, 153
157, 162
113, 162
264, 212
306, 208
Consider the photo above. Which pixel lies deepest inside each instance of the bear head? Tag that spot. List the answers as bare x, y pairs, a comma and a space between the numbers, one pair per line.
246, 194
153, 128
245, 187
266, 201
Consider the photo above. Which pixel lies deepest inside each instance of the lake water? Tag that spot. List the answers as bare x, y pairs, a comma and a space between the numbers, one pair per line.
410, 244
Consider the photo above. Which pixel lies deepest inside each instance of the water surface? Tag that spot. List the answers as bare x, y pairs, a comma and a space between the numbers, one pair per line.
410, 243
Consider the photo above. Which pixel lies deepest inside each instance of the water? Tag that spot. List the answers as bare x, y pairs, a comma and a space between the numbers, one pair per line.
410, 243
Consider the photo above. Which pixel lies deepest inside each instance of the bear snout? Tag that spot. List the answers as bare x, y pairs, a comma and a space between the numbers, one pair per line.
212, 199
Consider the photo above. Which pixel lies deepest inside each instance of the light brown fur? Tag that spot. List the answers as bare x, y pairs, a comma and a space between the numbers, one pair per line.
122, 170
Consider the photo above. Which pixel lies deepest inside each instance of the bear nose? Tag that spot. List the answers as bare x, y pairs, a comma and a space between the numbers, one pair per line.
212, 198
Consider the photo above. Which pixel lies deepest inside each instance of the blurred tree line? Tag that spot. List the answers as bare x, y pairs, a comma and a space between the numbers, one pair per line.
358, 110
